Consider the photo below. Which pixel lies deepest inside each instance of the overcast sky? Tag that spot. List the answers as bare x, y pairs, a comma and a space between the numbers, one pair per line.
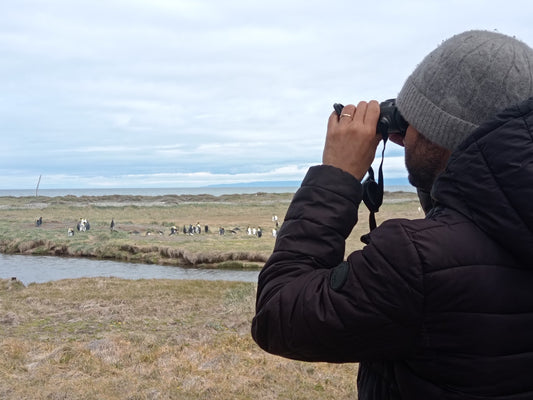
157, 93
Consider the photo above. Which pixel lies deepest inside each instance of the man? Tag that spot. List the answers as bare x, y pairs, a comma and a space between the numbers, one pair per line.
436, 308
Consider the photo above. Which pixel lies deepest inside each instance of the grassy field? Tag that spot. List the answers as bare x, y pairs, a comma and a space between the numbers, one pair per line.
142, 230
107, 338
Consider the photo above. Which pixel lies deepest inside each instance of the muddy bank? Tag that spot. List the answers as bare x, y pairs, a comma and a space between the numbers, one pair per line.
154, 254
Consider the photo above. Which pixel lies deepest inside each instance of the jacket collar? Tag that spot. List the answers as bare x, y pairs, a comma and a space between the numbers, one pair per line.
489, 179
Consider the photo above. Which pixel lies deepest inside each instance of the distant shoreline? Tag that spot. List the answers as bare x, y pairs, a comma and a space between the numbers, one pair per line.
149, 192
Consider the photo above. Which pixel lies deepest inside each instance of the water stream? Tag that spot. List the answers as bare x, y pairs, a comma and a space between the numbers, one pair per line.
41, 269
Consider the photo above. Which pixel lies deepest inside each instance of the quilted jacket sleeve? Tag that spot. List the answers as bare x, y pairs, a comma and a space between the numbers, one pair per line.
313, 306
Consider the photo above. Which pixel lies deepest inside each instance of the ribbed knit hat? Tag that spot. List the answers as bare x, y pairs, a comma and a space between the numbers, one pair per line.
463, 82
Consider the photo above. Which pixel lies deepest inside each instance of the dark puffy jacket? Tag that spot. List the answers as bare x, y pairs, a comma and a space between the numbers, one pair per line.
436, 308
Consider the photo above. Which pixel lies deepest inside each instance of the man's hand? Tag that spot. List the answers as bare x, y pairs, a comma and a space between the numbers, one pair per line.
351, 139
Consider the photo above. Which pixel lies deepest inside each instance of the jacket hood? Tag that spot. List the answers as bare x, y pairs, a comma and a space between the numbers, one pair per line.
489, 179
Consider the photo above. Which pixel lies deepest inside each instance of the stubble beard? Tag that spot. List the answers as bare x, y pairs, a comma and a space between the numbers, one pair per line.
424, 162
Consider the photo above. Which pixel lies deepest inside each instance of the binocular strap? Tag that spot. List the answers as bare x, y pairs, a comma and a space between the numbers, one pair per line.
373, 194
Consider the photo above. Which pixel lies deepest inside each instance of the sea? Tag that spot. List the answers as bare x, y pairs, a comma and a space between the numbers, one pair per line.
214, 191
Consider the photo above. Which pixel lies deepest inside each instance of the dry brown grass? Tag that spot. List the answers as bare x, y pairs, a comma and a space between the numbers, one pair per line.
107, 338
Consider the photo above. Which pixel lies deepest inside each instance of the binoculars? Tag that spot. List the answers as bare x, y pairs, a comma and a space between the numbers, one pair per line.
390, 120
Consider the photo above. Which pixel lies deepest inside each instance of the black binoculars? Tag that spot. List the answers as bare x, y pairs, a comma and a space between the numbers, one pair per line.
390, 120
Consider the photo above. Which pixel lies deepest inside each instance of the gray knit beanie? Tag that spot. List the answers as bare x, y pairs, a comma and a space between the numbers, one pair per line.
463, 82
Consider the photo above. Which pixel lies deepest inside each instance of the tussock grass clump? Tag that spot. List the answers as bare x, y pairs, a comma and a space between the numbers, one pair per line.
11, 284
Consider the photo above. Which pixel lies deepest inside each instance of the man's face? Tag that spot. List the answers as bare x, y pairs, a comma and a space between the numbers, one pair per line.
424, 160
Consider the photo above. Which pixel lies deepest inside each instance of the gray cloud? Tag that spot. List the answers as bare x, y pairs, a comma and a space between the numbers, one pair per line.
134, 93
